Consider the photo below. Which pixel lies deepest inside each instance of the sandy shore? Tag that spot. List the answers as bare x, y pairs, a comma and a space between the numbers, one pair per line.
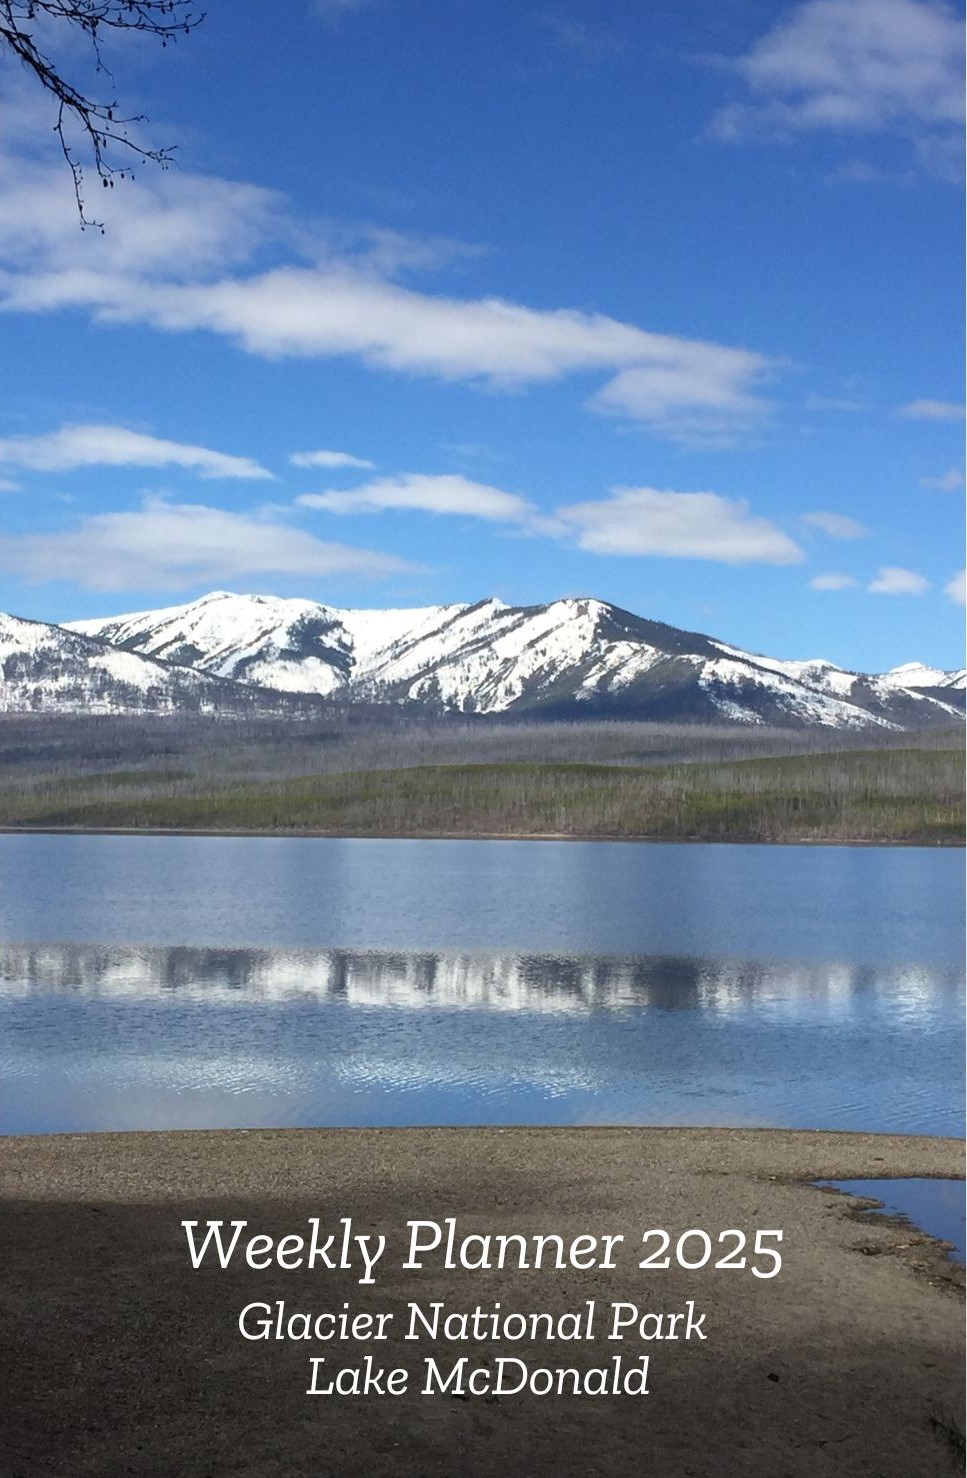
120, 1359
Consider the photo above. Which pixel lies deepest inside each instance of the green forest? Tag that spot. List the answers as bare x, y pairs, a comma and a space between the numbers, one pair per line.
626, 780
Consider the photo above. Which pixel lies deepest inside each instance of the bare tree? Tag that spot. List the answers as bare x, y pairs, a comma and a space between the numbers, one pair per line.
98, 122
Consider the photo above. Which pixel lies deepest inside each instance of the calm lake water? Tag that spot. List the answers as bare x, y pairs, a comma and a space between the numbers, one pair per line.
151, 982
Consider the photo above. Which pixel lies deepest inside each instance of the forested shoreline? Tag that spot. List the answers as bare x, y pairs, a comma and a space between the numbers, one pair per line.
618, 780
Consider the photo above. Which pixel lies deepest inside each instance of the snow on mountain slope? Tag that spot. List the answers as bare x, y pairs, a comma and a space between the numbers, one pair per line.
814, 673
488, 657
880, 695
292, 645
801, 701
571, 656
48, 669
916, 675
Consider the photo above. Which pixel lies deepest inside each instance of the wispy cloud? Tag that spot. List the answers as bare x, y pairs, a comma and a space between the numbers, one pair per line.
174, 546
956, 589
855, 66
678, 525
348, 304
384, 252
832, 582
931, 410
328, 459
894, 580
293, 312
703, 394
836, 525
950, 481
177, 226
627, 521
74, 446
861, 172
448, 493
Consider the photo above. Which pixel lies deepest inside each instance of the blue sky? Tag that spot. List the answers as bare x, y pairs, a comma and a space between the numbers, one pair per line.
445, 299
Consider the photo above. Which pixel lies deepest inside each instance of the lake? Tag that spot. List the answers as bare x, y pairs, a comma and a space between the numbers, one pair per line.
166, 982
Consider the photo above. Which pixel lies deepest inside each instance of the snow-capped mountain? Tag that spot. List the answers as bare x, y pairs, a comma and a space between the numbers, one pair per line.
569, 657
905, 695
47, 669
291, 645
915, 675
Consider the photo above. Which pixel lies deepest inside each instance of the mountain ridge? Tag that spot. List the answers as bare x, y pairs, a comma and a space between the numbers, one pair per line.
50, 669
566, 658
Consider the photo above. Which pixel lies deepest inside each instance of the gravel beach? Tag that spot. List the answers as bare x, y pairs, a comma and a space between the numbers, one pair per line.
120, 1358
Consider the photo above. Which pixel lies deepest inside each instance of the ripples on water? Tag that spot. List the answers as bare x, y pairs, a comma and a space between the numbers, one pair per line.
408, 982
115, 1036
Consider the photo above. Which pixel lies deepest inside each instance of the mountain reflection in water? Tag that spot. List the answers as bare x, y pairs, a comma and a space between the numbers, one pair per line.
494, 982
118, 1036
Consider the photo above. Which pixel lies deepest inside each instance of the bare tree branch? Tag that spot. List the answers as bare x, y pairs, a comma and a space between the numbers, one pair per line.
99, 123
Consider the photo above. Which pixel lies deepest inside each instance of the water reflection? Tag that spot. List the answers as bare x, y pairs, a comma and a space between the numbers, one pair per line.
461, 980
120, 1036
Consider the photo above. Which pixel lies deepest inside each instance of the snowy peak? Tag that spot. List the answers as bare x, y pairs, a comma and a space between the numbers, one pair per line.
48, 669
573, 656
916, 675
292, 645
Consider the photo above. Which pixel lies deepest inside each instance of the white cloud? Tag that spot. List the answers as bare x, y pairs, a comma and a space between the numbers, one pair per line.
836, 525
893, 580
858, 67
381, 251
931, 410
951, 481
859, 172
179, 226
173, 546
678, 525
447, 493
7, 485
174, 260
173, 224
702, 396
831, 582
861, 66
298, 312
632, 521
956, 589
115, 446
328, 459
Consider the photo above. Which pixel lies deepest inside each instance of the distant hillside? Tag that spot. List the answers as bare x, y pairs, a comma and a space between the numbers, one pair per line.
48, 669
901, 794
568, 658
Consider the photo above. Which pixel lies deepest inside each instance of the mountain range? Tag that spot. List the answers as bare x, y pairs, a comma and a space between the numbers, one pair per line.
255, 654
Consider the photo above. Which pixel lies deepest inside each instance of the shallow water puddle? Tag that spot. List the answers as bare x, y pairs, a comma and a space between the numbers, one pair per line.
935, 1206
